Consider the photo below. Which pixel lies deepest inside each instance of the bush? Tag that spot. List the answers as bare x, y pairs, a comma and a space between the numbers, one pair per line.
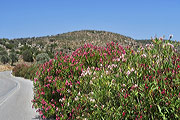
25, 71
110, 83
4, 59
14, 58
28, 56
3, 51
42, 58
9, 46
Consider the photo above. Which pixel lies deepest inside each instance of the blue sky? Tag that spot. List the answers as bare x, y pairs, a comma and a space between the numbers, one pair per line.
139, 19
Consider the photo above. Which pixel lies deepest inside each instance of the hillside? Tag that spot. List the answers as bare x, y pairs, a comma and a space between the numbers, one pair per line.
72, 40
66, 42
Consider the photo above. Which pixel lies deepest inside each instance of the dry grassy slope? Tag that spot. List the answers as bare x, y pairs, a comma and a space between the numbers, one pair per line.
5, 68
73, 40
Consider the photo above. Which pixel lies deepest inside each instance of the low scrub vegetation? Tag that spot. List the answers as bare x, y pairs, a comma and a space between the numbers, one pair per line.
110, 82
25, 71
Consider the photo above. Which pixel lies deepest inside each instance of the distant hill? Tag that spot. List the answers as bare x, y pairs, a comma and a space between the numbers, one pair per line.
72, 40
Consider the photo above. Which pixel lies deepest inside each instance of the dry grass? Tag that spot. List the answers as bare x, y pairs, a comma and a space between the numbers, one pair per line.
5, 68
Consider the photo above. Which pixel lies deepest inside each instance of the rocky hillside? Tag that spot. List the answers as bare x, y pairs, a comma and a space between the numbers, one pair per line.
72, 40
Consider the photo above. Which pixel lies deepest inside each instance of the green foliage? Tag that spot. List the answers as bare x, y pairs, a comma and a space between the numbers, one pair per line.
4, 59
14, 58
3, 41
23, 70
3, 51
28, 56
9, 46
111, 83
42, 58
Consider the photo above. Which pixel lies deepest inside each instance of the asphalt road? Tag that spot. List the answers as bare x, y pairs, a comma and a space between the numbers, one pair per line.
15, 98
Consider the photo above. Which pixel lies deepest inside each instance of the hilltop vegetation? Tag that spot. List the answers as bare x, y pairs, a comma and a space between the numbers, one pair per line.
22, 50
26, 49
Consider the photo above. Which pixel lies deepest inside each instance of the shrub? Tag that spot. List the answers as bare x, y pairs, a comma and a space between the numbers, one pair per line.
17, 70
42, 58
28, 56
23, 70
110, 83
3, 51
9, 46
4, 59
14, 58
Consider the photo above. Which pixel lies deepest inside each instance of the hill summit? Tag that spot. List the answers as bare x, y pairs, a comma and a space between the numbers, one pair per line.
72, 40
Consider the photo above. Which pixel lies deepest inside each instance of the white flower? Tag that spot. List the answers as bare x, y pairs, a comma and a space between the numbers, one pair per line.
102, 106
143, 55
128, 73
90, 82
95, 105
113, 81
68, 90
123, 85
92, 100
172, 46
123, 90
94, 73
79, 93
114, 65
109, 66
132, 69
76, 98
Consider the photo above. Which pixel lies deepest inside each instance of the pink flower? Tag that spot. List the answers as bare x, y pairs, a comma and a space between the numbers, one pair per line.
150, 106
66, 82
163, 92
124, 114
42, 93
78, 82
40, 112
44, 117
35, 79
178, 66
146, 86
77, 68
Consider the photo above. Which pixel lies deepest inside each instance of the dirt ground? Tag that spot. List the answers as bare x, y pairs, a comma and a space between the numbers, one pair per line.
5, 68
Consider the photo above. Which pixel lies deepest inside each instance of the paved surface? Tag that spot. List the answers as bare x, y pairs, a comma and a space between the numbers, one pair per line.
15, 98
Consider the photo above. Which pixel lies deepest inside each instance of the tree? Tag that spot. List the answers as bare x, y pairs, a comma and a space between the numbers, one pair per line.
42, 58
27, 56
3, 51
4, 59
14, 58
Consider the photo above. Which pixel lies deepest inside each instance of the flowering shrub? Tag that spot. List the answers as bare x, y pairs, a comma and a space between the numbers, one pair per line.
110, 83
